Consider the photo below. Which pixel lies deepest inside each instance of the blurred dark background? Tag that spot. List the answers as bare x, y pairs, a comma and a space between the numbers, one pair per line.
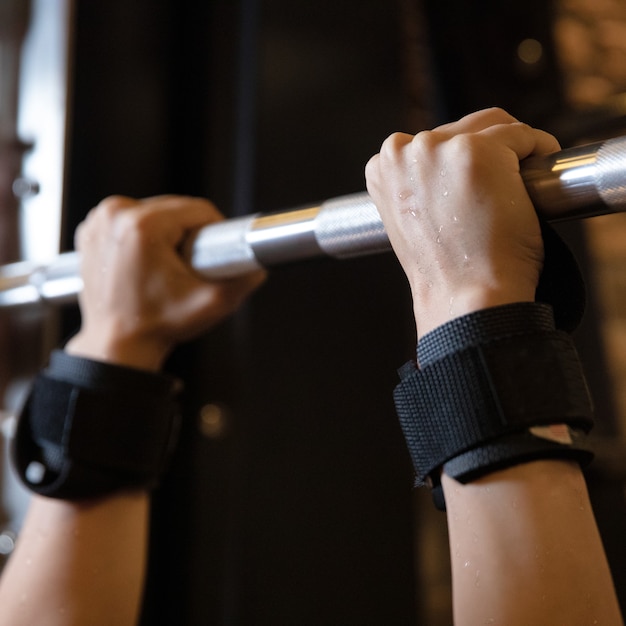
290, 499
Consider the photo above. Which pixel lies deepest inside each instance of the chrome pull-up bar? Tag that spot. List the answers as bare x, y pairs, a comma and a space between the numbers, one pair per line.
574, 183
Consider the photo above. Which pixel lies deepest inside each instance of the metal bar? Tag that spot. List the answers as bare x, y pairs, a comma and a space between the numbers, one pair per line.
574, 183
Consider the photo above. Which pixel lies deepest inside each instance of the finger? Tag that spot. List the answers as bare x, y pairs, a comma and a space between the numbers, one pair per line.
176, 216
240, 287
79, 236
187, 210
390, 150
477, 121
392, 146
215, 300
105, 211
171, 219
108, 206
113, 204
523, 139
370, 168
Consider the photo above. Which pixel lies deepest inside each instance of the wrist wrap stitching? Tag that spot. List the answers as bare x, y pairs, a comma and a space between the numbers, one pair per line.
93, 428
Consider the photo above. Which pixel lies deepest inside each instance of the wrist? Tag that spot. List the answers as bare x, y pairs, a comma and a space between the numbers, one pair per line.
433, 314
129, 351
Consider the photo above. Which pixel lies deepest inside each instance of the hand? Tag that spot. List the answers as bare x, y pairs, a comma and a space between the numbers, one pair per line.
140, 298
458, 215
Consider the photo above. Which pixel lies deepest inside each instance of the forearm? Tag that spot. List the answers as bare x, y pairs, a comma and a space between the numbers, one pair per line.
77, 563
525, 548
81, 553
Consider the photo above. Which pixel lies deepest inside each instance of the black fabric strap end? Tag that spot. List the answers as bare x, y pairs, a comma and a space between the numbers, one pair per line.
507, 452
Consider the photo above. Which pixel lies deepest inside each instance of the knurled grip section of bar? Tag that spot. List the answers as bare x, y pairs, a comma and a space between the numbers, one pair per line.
223, 249
350, 226
611, 164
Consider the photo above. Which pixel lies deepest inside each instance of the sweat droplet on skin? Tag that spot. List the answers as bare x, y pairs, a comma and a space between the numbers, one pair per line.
410, 210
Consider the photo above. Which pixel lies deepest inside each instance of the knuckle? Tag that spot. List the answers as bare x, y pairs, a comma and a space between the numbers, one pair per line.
202, 208
523, 126
465, 145
371, 167
113, 204
425, 143
79, 235
500, 116
135, 225
208, 207
468, 152
394, 144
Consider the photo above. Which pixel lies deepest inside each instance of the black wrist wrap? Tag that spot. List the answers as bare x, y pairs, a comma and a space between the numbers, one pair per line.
485, 380
90, 428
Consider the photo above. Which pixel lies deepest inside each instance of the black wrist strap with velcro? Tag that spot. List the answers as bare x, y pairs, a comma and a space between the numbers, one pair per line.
484, 392
90, 428
495, 388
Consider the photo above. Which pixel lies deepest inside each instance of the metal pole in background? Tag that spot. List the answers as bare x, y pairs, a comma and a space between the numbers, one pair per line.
35, 36
14, 18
